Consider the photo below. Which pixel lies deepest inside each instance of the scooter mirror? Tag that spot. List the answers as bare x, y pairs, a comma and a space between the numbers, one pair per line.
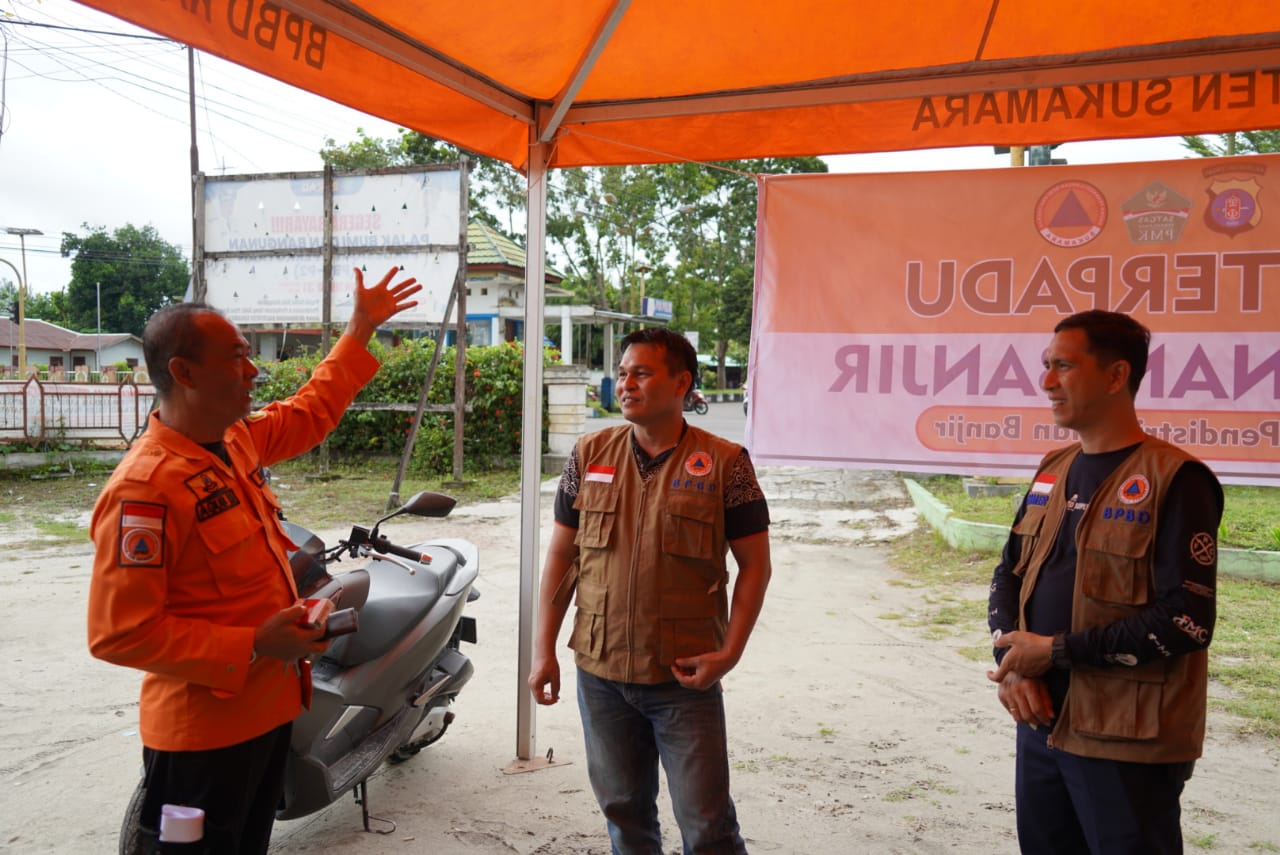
424, 504
428, 504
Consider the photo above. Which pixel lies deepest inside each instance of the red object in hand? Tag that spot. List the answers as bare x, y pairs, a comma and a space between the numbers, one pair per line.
318, 610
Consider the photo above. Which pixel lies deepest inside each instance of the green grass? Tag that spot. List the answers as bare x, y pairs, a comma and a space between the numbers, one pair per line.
953, 585
55, 532
1244, 657
1245, 654
358, 492
1203, 841
1250, 520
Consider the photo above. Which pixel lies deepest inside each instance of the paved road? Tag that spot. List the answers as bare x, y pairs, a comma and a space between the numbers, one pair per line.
726, 420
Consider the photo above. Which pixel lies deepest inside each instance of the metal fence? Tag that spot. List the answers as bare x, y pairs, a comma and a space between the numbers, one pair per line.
41, 411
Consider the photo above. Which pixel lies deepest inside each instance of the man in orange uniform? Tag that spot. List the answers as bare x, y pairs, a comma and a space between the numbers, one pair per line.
191, 580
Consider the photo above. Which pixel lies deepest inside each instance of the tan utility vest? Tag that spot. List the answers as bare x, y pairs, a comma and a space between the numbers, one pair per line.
651, 556
1149, 713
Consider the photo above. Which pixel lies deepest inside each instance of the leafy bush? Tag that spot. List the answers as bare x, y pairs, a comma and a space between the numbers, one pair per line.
494, 389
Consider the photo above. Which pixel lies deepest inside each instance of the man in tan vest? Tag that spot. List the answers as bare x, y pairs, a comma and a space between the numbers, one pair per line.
645, 515
1102, 609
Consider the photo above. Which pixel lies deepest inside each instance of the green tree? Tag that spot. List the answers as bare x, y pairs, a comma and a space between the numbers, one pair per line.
715, 225
8, 298
1238, 142
137, 270
683, 232
53, 307
608, 229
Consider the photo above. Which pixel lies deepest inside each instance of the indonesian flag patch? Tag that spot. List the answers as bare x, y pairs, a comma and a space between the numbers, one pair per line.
1041, 489
1044, 484
141, 534
603, 474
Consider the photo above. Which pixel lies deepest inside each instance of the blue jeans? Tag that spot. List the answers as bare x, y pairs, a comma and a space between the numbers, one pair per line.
628, 728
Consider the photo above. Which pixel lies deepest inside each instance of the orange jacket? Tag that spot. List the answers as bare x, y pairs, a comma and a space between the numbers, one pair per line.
191, 559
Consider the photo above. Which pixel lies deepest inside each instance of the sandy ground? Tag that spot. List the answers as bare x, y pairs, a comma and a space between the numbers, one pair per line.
848, 732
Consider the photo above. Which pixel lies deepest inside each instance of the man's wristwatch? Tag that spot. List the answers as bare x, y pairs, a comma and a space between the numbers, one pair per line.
1058, 656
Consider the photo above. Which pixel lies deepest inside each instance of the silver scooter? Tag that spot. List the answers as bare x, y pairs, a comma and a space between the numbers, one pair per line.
382, 690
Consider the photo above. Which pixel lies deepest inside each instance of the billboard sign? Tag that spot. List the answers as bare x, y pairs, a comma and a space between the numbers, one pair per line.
901, 320
264, 241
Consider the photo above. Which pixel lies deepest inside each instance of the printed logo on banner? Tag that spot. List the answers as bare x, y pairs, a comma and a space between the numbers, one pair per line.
1156, 214
1233, 206
1071, 213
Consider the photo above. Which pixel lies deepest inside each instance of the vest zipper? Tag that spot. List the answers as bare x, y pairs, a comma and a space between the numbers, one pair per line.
631, 584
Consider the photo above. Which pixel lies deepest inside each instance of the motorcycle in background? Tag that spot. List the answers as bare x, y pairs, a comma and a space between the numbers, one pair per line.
696, 402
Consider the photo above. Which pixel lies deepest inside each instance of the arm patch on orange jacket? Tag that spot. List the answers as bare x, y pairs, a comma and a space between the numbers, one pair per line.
141, 534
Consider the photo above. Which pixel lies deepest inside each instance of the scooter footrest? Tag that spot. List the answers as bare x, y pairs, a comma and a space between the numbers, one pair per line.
344, 774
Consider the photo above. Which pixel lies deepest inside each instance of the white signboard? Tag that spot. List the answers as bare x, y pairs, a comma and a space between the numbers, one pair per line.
655, 308
264, 242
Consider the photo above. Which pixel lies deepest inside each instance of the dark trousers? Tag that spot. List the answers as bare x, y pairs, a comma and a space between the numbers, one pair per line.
1072, 804
237, 787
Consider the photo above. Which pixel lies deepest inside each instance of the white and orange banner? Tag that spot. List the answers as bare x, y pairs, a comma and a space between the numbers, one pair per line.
900, 320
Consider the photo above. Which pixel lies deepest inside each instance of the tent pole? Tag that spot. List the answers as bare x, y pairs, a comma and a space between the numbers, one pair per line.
531, 433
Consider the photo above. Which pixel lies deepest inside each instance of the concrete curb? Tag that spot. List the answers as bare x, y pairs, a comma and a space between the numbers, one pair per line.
41, 459
987, 537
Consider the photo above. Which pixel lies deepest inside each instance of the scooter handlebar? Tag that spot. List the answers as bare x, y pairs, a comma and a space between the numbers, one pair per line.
381, 544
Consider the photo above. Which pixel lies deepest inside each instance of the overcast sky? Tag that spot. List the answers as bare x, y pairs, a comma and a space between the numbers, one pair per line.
95, 129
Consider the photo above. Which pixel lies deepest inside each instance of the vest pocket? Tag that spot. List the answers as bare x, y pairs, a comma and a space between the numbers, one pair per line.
1114, 569
1028, 532
689, 528
1121, 705
688, 625
587, 637
598, 510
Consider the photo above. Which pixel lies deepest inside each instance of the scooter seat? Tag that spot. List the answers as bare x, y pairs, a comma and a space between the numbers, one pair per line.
347, 590
396, 601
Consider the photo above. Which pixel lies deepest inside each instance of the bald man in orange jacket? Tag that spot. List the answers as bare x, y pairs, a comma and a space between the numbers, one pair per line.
191, 579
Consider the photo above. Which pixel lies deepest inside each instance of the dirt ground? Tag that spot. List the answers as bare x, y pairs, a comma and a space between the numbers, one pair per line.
848, 732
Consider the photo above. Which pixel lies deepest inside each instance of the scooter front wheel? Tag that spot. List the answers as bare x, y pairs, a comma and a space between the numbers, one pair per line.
700, 408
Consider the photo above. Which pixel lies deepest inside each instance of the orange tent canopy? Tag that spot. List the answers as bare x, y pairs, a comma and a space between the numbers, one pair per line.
612, 81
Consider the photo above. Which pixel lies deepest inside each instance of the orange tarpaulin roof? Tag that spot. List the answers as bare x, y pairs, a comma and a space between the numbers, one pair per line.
652, 80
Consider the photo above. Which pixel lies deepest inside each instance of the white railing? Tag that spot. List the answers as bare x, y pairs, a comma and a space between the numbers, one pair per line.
37, 410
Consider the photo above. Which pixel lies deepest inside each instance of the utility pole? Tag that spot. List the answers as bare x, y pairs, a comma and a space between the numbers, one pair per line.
197, 186
22, 299
97, 287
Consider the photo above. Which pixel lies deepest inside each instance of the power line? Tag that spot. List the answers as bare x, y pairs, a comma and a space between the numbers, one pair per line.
89, 50
117, 34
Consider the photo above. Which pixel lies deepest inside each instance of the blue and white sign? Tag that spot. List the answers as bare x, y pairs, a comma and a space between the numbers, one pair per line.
652, 307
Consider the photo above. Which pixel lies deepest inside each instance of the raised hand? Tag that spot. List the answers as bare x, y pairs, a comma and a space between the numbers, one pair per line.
376, 305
